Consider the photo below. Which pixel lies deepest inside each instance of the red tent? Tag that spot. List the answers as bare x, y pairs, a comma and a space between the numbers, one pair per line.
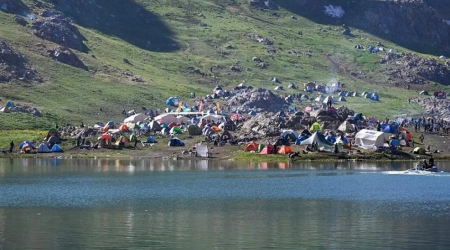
267, 150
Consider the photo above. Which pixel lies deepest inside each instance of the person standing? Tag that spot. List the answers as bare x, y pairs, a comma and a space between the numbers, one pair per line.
421, 138
11, 146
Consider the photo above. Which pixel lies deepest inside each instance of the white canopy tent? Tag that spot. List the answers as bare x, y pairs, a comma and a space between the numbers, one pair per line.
370, 139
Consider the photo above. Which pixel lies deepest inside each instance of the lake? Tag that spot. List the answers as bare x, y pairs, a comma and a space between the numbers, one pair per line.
200, 204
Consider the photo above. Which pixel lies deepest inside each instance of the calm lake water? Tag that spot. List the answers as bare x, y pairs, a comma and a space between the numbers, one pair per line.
188, 204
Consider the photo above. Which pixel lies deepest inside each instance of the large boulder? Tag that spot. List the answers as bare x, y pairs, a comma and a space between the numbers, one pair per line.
60, 30
66, 56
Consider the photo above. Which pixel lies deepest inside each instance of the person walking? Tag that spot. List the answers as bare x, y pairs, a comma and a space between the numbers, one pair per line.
421, 138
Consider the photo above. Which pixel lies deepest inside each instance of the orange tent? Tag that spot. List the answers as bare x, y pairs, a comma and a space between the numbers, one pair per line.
123, 127
284, 150
252, 146
215, 128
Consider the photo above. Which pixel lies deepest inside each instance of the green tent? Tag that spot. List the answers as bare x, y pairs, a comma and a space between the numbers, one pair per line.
259, 148
176, 130
419, 150
194, 130
315, 127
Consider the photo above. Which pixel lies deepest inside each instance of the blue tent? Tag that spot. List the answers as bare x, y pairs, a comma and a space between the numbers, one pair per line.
25, 142
387, 129
374, 97
195, 120
175, 142
150, 139
394, 127
194, 108
144, 126
172, 101
301, 138
9, 104
56, 148
330, 139
110, 123
252, 112
343, 93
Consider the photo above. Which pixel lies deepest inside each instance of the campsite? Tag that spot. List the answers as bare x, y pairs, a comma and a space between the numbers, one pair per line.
325, 130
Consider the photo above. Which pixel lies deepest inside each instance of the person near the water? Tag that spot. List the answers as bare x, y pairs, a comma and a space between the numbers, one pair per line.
431, 162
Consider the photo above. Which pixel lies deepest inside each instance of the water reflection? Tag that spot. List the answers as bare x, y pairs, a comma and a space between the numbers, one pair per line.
45, 165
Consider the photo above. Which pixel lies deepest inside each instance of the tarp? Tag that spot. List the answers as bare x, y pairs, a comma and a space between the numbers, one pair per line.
135, 118
319, 139
370, 138
166, 118
43, 148
202, 150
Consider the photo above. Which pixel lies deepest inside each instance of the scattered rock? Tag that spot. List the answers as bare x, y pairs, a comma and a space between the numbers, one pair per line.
66, 56
20, 20
235, 68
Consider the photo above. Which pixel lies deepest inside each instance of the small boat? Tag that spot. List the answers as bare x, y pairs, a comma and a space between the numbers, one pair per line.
419, 167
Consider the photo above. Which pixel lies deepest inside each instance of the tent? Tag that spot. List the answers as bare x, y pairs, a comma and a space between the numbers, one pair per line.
284, 150
22, 144
356, 94
201, 150
216, 118
370, 138
329, 98
320, 98
343, 93
172, 101
42, 148
374, 97
347, 127
166, 118
252, 146
315, 127
267, 149
309, 87
135, 118
405, 135
53, 139
292, 86
194, 130
319, 139
155, 126
150, 139
419, 150
289, 134
175, 142
56, 149
175, 130
423, 92
342, 99
279, 88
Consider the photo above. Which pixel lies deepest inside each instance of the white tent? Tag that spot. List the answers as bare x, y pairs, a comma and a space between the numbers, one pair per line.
328, 98
320, 98
135, 118
216, 118
370, 138
347, 127
202, 150
166, 118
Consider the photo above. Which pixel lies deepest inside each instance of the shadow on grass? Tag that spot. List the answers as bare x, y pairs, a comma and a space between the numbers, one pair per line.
124, 19
411, 25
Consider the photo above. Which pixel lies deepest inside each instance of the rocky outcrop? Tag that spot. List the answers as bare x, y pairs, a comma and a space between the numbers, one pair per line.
12, 6
60, 30
414, 69
66, 56
262, 4
14, 65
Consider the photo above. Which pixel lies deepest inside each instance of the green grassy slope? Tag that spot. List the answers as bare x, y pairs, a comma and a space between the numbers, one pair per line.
165, 40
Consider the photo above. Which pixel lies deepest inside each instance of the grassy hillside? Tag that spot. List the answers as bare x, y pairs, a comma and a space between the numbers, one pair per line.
165, 41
